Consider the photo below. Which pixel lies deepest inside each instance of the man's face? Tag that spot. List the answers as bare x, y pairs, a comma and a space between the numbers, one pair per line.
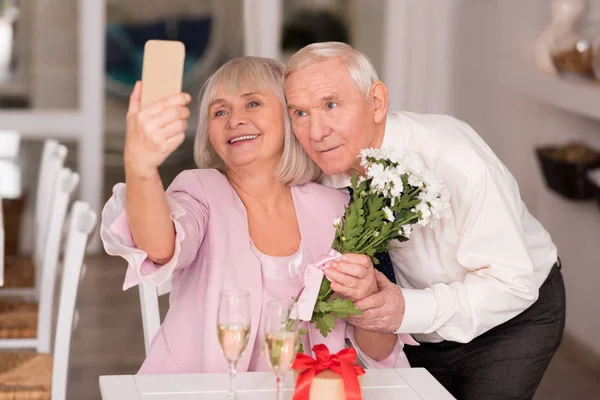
331, 118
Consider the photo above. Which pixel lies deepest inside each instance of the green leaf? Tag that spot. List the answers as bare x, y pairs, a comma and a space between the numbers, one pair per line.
322, 323
328, 323
301, 332
324, 290
413, 203
322, 307
343, 307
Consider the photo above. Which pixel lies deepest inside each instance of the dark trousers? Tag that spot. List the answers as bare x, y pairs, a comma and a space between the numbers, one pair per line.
508, 361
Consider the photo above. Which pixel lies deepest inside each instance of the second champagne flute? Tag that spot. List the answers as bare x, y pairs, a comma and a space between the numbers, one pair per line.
281, 339
233, 328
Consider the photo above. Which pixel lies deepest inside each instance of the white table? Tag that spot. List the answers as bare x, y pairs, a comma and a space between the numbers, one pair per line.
378, 384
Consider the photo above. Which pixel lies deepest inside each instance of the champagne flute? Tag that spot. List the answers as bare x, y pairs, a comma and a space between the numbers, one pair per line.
281, 339
233, 328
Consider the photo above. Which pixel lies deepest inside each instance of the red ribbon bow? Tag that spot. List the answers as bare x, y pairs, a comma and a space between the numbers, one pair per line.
343, 363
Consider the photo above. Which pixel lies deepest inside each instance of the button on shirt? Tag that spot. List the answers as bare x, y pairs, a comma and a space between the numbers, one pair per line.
485, 263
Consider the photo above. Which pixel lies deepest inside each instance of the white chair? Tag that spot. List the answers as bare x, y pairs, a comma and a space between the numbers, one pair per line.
23, 274
10, 141
26, 324
150, 312
82, 224
42, 375
53, 159
149, 295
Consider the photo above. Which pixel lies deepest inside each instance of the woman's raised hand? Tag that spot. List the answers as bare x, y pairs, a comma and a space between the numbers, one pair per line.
153, 133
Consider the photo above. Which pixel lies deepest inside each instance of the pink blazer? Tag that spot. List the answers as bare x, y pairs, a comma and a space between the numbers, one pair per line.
213, 253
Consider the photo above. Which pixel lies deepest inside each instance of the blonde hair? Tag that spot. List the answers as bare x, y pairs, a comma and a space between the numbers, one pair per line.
359, 67
255, 74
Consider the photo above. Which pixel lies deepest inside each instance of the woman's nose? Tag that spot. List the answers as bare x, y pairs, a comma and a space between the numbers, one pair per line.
237, 118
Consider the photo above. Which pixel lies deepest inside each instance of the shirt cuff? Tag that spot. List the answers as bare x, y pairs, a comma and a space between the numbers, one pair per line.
396, 358
420, 307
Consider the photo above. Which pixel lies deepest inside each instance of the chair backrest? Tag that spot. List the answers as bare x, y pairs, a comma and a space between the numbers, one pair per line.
53, 159
65, 185
82, 223
150, 312
150, 309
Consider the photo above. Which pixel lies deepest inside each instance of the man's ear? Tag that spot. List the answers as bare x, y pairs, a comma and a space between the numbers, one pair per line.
379, 97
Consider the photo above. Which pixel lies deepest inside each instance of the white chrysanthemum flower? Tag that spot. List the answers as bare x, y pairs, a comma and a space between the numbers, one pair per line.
337, 222
414, 180
424, 213
389, 215
364, 154
428, 196
394, 181
406, 230
443, 204
400, 169
435, 208
392, 154
396, 190
378, 177
428, 178
445, 195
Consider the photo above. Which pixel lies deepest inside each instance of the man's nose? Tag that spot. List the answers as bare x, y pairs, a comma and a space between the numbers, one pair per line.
318, 129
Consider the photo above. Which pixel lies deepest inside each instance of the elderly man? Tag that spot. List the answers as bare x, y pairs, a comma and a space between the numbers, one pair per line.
481, 291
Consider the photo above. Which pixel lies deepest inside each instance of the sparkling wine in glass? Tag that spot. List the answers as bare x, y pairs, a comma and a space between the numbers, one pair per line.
281, 339
233, 329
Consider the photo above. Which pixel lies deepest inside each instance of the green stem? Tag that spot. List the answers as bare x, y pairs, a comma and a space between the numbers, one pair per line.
381, 238
363, 237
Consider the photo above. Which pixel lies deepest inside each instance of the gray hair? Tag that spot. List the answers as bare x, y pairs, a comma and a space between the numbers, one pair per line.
359, 67
255, 74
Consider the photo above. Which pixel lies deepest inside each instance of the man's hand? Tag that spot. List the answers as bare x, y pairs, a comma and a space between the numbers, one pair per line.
382, 311
353, 276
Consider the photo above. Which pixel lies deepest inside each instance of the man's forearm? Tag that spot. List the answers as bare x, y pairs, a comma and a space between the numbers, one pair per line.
376, 345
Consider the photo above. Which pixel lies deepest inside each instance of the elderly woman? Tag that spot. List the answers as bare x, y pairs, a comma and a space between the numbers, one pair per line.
251, 218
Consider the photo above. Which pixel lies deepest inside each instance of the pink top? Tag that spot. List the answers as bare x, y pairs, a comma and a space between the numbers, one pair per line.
213, 252
280, 281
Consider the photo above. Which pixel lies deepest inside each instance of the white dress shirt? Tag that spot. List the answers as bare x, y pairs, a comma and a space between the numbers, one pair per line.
483, 265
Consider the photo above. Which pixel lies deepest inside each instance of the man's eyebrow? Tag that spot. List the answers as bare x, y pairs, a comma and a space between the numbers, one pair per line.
330, 97
325, 99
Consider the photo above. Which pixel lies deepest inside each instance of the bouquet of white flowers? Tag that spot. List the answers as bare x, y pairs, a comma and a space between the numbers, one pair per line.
395, 193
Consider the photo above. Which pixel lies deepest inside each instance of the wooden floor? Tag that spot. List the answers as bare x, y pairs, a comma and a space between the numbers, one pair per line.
108, 340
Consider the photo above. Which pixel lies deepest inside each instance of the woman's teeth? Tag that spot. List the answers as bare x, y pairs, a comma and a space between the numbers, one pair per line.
240, 138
